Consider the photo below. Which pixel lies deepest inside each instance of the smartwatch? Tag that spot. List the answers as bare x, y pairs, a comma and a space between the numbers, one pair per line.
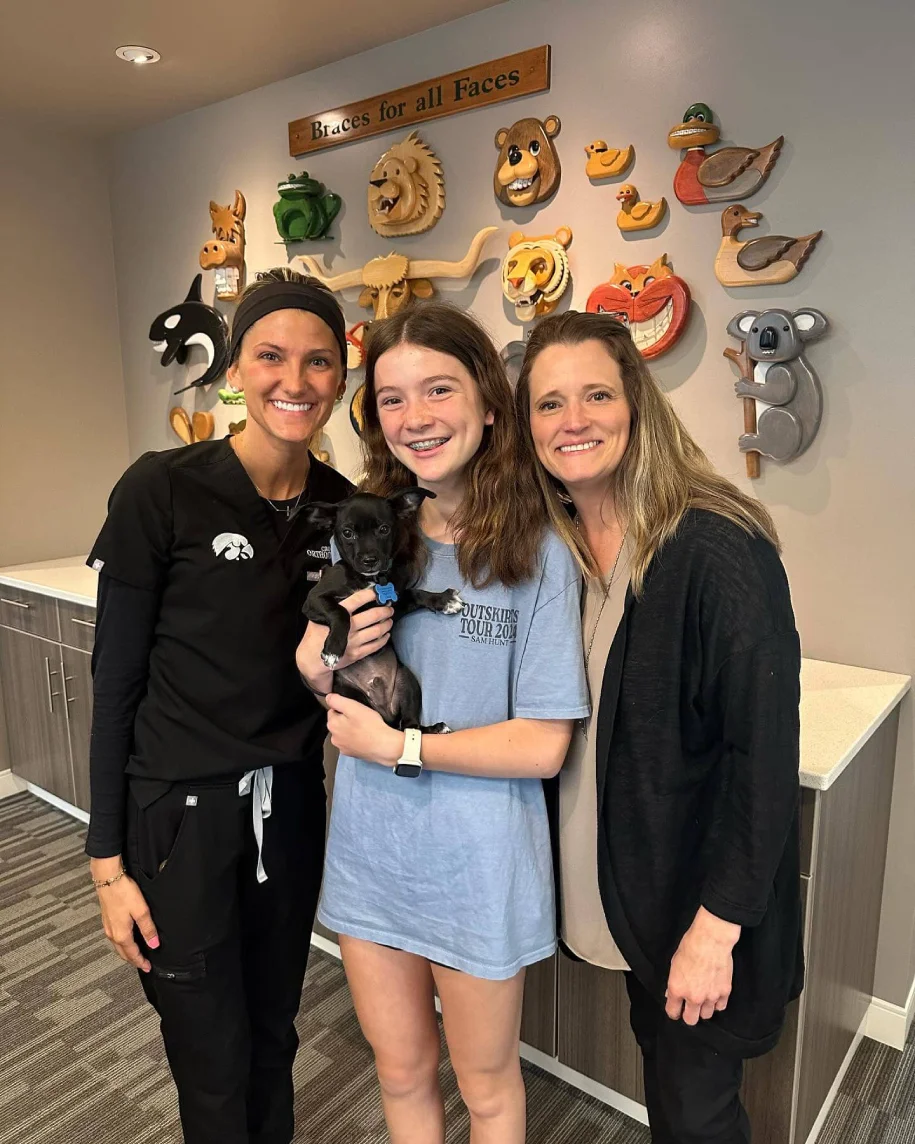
410, 765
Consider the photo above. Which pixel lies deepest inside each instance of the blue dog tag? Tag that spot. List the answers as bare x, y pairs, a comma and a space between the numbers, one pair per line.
386, 593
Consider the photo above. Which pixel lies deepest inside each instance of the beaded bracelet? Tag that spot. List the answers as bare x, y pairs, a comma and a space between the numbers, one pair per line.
109, 881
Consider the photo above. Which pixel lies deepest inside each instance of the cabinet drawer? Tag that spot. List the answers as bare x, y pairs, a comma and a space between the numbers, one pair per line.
77, 625
29, 612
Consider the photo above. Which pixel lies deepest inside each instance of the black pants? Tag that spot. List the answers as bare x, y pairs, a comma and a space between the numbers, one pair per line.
227, 976
692, 1092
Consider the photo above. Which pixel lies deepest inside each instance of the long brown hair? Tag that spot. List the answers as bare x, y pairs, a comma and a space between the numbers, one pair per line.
663, 472
499, 525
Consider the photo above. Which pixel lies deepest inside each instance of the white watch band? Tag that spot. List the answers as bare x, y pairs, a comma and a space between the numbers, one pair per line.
412, 743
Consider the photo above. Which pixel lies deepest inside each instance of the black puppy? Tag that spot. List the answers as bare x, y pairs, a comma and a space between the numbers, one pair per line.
371, 534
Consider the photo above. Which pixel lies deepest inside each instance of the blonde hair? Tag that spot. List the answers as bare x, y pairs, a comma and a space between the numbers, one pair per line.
663, 472
499, 525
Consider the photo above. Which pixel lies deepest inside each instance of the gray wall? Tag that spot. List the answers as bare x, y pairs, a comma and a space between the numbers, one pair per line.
63, 429
832, 76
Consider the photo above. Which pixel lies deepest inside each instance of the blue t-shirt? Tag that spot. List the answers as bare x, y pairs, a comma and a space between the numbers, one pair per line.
454, 867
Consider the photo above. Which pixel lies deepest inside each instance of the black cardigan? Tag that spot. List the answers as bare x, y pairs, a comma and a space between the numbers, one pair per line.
697, 772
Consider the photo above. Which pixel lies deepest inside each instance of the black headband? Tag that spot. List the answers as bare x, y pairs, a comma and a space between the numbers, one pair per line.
288, 296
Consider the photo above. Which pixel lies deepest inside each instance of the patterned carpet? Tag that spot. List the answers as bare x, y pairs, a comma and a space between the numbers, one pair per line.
81, 1061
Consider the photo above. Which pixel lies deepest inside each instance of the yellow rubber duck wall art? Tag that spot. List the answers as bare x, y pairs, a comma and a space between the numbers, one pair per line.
607, 162
636, 215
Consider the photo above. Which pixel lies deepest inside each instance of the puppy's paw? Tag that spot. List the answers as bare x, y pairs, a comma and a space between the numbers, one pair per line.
437, 729
329, 660
453, 603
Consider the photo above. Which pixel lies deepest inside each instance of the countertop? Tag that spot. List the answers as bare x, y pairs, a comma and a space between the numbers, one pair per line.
841, 706
67, 579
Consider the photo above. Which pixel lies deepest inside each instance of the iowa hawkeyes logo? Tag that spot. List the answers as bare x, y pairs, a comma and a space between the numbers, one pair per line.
233, 546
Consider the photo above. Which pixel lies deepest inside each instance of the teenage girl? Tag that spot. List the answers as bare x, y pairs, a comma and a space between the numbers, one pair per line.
442, 879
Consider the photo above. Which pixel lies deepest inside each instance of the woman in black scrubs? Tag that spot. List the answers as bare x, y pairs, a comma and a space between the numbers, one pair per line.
207, 828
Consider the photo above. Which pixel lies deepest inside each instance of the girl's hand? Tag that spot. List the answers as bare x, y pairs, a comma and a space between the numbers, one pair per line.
360, 732
368, 633
122, 905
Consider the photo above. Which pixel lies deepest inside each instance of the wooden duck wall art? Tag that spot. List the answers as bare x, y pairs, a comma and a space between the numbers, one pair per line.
782, 395
225, 253
767, 261
636, 215
728, 174
607, 162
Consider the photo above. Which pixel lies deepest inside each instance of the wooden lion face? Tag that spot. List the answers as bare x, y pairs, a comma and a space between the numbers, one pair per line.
406, 189
528, 169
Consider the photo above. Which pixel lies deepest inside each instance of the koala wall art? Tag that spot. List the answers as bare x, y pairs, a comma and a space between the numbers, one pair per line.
783, 401
528, 169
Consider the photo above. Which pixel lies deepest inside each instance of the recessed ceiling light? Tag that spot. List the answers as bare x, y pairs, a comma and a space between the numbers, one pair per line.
134, 54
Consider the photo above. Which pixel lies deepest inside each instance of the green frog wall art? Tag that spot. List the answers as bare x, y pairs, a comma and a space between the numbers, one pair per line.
305, 210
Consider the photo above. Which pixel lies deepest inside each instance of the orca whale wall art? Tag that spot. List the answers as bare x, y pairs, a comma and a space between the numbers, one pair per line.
192, 323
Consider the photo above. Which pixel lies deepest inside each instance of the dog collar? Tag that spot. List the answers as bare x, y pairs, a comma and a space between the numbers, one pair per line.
386, 593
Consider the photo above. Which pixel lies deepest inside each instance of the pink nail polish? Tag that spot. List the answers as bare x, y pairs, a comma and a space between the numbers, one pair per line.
153, 943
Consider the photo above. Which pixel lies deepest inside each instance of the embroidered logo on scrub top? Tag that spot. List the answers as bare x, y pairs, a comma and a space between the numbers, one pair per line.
233, 546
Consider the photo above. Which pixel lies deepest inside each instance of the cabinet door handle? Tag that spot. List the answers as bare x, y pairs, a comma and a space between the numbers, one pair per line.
13, 603
51, 694
83, 623
69, 698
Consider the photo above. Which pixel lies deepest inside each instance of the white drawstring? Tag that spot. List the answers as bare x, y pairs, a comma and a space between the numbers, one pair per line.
261, 783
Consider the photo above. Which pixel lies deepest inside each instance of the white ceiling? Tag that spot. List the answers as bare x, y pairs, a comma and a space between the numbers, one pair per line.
57, 61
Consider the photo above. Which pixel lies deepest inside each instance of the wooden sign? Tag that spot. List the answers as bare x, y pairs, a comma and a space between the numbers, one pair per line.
480, 86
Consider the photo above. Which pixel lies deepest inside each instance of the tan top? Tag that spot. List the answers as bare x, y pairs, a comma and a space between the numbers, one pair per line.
584, 926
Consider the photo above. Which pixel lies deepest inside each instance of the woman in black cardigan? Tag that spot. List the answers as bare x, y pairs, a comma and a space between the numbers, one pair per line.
690, 761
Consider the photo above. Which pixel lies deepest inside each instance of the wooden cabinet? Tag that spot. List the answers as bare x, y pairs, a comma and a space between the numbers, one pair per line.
46, 688
36, 711
77, 668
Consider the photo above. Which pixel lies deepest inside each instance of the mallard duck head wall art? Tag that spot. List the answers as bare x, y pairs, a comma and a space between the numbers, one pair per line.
406, 189
535, 273
528, 168
726, 175
651, 300
192, 323
225, 252
768, 261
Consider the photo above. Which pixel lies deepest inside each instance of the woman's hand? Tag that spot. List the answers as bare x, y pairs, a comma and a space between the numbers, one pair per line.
122, 904
368, 633
360, 732
700, 972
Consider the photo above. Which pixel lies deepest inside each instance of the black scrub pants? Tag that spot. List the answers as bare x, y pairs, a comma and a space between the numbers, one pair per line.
227, 976
692, 1092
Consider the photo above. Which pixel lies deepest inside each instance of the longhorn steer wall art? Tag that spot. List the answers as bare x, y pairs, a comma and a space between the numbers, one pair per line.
389, 282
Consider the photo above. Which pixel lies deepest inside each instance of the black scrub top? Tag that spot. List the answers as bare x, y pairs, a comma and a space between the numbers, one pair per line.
224, 695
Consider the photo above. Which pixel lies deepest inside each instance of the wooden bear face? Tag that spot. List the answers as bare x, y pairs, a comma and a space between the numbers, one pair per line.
528, 169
